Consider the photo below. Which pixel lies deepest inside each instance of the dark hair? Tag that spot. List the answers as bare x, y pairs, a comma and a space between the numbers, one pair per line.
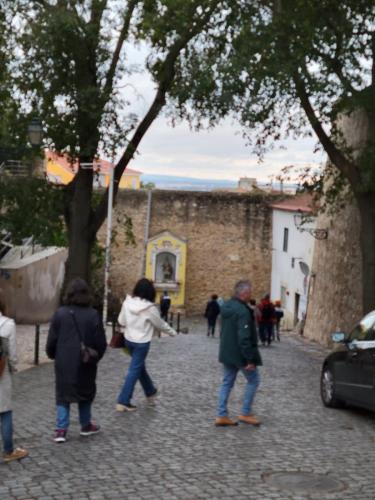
214, 296
3, 305
78, 293
253, 302
144, 289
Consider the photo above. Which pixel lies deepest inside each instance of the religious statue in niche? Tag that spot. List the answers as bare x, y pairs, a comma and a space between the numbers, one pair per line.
165, 268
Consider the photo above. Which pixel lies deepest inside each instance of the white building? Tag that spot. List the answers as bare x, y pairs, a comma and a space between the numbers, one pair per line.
292, 254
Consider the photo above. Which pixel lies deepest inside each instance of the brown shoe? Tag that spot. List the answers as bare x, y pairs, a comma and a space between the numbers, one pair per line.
16, 454
249, 419
224, 422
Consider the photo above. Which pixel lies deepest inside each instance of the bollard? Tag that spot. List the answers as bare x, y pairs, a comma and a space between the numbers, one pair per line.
178, 322
171, 319
36, 345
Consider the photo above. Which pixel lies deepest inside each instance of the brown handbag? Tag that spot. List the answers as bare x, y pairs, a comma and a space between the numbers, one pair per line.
117, 341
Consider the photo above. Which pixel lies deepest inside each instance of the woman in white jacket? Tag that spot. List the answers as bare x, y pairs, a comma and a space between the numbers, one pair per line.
140, 317
8, 349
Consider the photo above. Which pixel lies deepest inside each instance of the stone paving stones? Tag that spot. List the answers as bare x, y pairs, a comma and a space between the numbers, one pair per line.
173, 451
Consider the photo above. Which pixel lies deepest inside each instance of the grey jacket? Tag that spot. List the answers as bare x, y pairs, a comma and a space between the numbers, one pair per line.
8, 340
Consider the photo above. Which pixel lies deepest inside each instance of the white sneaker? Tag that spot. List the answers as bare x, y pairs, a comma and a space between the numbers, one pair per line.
151, 400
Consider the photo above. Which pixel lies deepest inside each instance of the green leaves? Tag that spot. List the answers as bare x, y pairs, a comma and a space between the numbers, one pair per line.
32, 207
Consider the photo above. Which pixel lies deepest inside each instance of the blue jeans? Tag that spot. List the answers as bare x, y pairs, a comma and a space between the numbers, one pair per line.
7, 431
137, 371
230, 375
63, 413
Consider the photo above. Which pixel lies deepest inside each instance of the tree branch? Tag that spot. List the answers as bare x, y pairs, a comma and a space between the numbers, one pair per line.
347, 167
166, 77
120, 42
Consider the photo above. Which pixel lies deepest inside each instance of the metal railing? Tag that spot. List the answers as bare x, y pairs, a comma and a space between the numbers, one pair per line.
16, 168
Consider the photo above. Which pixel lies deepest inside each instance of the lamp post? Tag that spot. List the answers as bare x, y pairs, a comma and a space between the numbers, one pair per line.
108, 242
35, 132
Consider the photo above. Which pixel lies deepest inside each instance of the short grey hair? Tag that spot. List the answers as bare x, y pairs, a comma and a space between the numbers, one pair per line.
241, 286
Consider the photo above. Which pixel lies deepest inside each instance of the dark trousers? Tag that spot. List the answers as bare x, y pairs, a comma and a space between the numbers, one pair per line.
164, 314
266, 332
211, 325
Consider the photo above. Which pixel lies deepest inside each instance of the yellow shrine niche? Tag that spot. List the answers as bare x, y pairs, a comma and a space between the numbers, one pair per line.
166, 266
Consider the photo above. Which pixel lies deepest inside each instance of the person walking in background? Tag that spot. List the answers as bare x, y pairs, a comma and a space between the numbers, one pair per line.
238, 352
140, 317
165, 304
75, 327
211, 313
266, 320
8, 361
279, 314
253, 306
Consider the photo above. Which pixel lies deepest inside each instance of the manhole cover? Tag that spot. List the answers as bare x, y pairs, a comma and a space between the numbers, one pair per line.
303, 482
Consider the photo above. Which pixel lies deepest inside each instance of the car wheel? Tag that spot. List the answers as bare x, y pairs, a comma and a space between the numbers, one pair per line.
327, 389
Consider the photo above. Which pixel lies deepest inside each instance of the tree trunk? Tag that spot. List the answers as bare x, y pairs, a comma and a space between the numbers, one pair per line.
366, 205
79, 215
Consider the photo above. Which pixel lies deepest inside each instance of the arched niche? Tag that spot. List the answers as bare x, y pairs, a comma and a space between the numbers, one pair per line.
165, 267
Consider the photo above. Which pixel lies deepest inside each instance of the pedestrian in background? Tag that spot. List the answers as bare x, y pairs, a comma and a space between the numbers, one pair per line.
8, 361
211, 313
253, 306
165, 304
75, 327
140, 317
266, 320
279, 314
238, 352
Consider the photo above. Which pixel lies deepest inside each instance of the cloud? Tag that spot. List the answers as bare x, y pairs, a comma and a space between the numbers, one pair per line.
220, 153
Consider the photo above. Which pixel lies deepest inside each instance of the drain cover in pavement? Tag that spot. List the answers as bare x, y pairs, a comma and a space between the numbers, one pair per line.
303, 482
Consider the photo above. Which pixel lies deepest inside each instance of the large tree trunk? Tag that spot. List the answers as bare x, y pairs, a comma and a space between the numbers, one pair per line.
79, 218
366, 205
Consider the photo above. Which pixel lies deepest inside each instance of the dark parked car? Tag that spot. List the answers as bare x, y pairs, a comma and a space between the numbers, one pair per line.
348, 373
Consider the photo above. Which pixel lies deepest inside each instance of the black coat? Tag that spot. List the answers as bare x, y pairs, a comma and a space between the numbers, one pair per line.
75, 381
212, 310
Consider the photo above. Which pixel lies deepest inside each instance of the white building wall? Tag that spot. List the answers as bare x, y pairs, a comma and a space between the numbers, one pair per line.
288, 283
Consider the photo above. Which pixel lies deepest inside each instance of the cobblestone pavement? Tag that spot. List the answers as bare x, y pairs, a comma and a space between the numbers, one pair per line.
173, 451
26, 345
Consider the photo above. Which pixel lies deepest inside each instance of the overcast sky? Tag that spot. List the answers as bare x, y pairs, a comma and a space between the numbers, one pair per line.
218, 154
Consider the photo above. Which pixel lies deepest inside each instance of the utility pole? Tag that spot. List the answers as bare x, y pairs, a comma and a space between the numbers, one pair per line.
108, 242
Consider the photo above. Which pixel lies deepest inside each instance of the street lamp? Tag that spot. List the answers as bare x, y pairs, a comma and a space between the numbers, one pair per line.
35, 132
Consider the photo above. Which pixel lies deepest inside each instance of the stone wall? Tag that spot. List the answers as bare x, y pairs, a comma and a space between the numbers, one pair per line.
228, 237
336, 285
336, 290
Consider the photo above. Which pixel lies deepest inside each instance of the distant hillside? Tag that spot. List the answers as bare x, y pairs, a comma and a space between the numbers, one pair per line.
187, 183
194, 184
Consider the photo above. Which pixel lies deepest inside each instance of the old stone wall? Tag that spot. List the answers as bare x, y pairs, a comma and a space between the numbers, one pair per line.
335, 300
336, 290
228, 238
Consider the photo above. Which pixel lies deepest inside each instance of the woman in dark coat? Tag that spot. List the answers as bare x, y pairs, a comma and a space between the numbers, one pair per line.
211, 313
73, 323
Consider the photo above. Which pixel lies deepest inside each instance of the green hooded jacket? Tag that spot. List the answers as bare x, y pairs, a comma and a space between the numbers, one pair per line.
239, 339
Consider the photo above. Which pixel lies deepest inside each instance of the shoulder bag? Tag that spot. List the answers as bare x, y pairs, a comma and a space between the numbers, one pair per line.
88, 354
117, 341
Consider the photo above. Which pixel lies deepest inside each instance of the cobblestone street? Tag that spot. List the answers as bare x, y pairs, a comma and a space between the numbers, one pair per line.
173, 450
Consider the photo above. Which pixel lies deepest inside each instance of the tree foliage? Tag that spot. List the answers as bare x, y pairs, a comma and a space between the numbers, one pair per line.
70, 66
288, 68
32, 207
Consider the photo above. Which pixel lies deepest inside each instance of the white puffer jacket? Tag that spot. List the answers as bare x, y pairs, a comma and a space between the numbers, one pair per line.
141, 319
8, 338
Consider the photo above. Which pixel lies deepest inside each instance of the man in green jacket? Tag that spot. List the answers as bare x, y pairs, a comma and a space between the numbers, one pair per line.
238, 352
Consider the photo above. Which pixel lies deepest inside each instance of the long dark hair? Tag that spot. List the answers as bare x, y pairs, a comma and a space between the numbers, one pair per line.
3, 305
78, 293
144, 289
